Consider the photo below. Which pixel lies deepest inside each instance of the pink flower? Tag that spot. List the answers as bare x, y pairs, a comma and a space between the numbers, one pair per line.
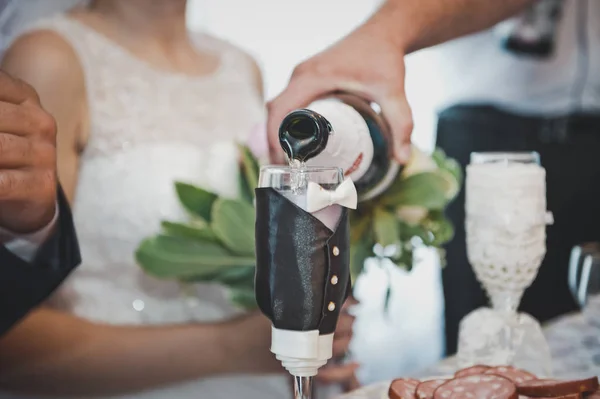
257, 141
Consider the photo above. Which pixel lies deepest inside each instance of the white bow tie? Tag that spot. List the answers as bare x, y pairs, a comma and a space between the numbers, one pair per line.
318, 198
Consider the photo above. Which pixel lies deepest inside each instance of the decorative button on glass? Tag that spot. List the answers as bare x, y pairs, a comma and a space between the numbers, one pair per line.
331, 306
334, 280
336, 251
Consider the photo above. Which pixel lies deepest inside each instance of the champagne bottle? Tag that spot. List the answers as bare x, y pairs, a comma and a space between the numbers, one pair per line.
345, 131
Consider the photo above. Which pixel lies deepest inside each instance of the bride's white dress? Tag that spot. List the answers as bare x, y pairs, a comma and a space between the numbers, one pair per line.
150, 128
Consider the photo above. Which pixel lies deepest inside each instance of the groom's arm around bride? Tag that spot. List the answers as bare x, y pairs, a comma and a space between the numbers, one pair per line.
38, 246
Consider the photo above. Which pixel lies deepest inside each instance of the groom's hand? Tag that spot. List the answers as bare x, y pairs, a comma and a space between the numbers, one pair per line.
366, 62
27, 158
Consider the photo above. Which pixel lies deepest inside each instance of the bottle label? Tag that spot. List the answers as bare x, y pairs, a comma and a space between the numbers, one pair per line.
382, 185
355, 165
350, 146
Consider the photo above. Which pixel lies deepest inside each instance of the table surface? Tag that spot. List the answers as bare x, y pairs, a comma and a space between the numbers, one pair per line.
574, 342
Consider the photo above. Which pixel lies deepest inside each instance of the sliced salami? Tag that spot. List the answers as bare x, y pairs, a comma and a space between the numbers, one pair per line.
426, 389
403, 388
477, 386
550, 388
473, 370
514, 374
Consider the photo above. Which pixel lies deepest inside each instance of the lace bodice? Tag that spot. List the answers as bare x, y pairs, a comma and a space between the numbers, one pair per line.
148, 129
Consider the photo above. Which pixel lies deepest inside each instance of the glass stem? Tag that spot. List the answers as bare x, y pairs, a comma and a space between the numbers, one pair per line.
506, 301
303, 387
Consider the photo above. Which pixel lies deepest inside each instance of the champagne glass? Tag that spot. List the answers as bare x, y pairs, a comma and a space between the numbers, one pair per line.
584, 273
506, 241
302, 274
588, 293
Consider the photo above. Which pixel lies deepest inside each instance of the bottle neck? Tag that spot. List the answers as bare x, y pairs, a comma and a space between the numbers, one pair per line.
343, 130
304, 134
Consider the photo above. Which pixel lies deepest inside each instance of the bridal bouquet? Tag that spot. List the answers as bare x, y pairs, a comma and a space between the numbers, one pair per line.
217, 244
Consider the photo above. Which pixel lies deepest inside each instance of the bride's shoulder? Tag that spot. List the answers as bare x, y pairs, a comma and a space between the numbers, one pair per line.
42, 55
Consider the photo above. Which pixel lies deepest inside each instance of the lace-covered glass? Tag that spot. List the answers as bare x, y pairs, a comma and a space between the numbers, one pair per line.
506, 241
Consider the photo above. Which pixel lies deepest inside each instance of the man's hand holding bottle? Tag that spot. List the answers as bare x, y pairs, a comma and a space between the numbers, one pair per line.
367, 63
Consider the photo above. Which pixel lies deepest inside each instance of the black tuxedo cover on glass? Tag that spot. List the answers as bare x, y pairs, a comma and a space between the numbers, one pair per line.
24, 285
295, 264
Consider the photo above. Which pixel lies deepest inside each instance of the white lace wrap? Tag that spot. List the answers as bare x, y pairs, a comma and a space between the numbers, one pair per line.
506, 226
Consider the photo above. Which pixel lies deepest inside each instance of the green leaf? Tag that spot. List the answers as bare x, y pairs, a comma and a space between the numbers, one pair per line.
234, 277
454, 169
204, 277
196, 200
385, 226
233, 223
359, 253
405, 261
239, 277
246, 193
409, 231
440, 227
425, 189
196, 229
439, 157
244, 298
449, 165
250, 168
175, 258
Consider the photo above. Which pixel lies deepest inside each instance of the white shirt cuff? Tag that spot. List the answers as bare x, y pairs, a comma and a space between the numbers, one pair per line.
25, 246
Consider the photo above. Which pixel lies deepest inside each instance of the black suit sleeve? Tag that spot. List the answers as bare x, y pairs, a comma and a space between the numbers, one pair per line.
24, 285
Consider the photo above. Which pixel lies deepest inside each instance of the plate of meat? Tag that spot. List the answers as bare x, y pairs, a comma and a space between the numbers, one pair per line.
482, 382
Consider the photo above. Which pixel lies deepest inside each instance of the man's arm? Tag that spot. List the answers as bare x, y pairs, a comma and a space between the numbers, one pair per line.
370, 60
417, 24
24, 285
28, 199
